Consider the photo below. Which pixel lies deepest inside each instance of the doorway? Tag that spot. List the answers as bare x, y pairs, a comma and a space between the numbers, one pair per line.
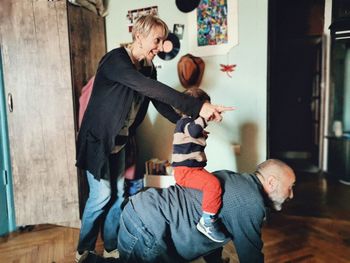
295, 56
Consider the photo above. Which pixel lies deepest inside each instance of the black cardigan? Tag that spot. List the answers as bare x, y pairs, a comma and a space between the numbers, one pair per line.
116, 82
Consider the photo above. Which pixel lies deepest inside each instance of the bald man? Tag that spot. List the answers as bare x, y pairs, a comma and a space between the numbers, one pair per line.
160, 225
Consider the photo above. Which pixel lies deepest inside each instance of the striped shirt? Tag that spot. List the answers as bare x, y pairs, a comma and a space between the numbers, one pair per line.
189, 143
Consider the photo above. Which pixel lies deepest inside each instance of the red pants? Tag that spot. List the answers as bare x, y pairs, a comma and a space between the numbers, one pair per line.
200, 179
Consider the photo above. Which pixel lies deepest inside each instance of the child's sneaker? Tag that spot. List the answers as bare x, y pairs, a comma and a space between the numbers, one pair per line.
211, 230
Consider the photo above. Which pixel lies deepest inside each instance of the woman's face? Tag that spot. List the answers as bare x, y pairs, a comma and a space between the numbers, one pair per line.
152, 43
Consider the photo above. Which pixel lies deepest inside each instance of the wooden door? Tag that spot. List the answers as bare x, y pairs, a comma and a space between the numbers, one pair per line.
295, 41
37, 73
293, 126
87, 46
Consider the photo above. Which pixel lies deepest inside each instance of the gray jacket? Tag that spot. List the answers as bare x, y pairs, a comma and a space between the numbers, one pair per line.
174, 213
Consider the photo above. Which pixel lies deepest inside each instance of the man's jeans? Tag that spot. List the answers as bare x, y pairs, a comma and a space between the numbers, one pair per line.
102, 209
137, 244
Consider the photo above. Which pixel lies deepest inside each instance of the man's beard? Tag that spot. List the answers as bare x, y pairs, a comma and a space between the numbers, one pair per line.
277, 200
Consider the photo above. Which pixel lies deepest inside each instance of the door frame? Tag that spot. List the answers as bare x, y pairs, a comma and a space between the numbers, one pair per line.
5, 155
325, 86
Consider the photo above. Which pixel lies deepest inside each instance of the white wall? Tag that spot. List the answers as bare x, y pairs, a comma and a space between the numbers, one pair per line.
246, 89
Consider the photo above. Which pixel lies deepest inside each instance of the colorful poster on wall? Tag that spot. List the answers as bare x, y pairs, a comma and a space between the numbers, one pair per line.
213, 28
134, 14
212, 23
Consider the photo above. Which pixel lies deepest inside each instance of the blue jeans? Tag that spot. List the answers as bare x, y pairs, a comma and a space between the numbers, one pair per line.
102, 209
137, 244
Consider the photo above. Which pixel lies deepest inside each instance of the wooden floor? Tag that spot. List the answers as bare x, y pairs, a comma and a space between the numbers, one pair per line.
314, 227
290, 239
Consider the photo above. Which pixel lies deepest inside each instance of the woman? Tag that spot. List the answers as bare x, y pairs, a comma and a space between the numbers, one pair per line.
124, 85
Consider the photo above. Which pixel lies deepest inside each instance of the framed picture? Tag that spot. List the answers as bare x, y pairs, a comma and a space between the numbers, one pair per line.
134, 14
178, 30
213, 27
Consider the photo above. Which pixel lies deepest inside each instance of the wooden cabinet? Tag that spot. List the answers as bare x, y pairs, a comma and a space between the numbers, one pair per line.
48, 53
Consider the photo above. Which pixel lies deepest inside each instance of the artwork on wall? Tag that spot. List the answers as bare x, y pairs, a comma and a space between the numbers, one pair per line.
228, 69
213, 27
178, 30
134, 14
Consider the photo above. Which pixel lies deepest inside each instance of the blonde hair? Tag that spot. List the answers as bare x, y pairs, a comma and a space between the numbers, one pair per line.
146, 23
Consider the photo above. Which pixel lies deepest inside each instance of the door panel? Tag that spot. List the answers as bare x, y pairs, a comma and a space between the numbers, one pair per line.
295, 67
41, 126
4, 221
293, 96
7, 222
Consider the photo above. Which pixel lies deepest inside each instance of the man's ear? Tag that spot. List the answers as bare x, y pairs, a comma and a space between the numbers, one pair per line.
271, 183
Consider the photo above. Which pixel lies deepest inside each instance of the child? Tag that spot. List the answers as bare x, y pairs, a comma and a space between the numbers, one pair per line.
189, 161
